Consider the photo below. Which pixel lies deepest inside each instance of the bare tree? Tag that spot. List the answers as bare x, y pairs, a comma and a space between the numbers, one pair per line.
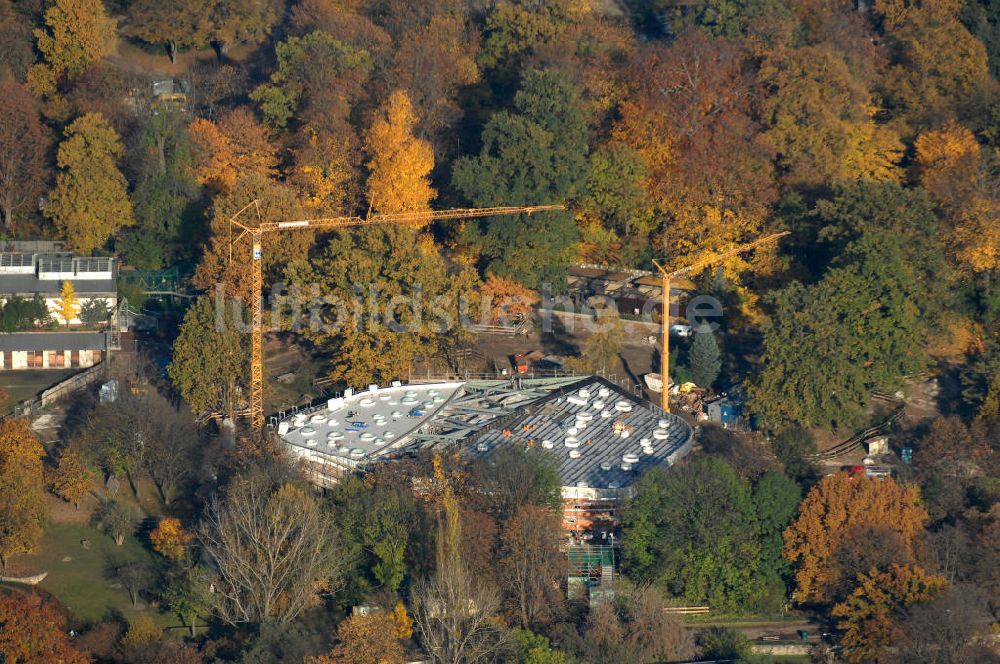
273, 549
456, 618
171, 440
116, 518
946, 630
532, 567
635, 628
136, 577
653, 634
454, 612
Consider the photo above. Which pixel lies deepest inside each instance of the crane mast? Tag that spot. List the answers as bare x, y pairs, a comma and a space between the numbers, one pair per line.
255, 234
665, 278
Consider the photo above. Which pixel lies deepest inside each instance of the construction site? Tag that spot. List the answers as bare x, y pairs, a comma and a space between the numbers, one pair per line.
601, 438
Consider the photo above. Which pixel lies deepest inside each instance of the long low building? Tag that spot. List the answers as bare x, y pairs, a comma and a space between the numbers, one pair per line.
52, 350
601, 438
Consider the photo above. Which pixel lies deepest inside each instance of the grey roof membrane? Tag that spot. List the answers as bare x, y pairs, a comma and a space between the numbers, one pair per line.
28, 284
579, 420
583, 428
37, 341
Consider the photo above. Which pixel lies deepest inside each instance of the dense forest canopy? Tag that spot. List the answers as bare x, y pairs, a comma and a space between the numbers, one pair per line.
670, 130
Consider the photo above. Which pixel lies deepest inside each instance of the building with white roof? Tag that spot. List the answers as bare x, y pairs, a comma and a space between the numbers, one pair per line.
601, 438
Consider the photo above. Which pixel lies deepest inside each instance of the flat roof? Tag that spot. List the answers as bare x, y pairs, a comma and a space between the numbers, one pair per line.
38, 341
600, 436
29, 284
367, 423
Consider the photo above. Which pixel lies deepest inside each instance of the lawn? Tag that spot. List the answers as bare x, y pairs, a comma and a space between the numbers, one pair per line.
82, 583
26, 383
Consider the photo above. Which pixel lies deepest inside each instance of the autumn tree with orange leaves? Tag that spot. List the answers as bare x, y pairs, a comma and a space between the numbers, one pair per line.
34, 631
951, 167
399, 163
237, 145
22, 488
869, 616
838, 508
375, 638
507, 299
170, 539
70, 479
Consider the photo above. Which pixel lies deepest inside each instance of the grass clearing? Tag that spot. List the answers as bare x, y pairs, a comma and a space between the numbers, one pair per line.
83, 583
24, 384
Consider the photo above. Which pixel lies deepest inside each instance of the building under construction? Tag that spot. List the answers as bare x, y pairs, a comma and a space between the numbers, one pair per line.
601, 438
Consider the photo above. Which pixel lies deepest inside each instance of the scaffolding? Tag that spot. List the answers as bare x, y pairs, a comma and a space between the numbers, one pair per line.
591, 572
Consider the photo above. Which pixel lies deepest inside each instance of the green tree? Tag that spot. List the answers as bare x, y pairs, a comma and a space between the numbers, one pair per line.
514, 28
829, 344
411, 301
95, 311
210, 356
90, 201
981, 382
694, 530
876, 208
535, 649
704, 359
185, 594
534, 155
77, 34
377, 521
315, 70
18, 313
616, 191
164, 197
735, 18
720, 643
776, 498
794, 446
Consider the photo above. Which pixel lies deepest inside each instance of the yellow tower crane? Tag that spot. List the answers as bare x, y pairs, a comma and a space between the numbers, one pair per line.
256, 233
665, 279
